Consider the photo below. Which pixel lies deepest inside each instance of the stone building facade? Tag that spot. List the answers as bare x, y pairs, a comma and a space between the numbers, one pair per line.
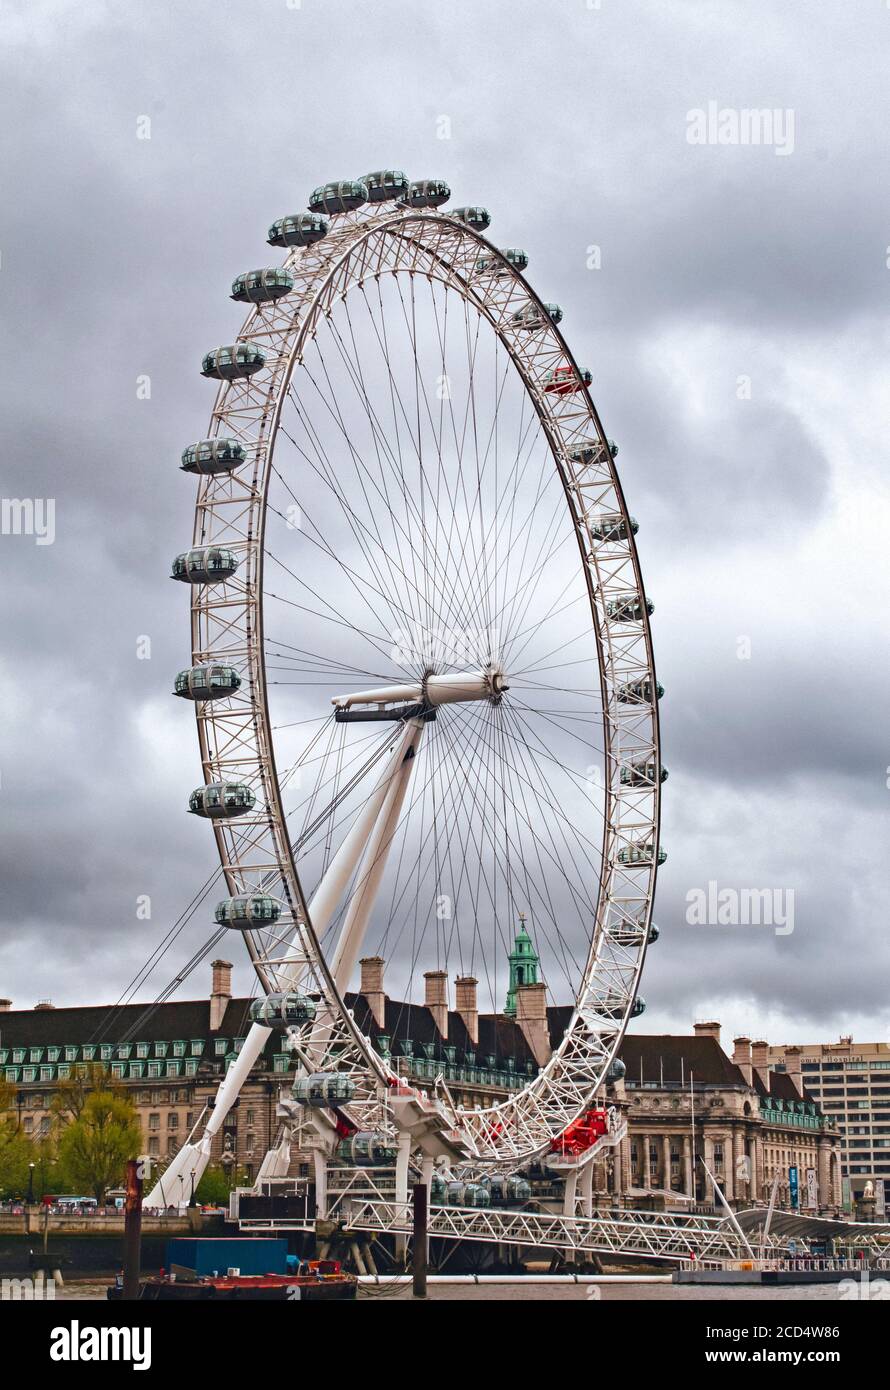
684, 1099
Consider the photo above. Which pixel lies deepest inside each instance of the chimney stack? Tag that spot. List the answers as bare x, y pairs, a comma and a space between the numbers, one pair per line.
710, 1029
531, 1015
466, 1006
372, 987
5, 1006
43, 1005
792, 1066
220, 992
436, 998
760, 1060
741, 1055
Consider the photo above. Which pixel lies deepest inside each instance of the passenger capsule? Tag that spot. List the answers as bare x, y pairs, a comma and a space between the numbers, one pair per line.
345, 196
207, 682
493, 265
640, 852
262, 286
282, 1011
617, 1072
614, 1005
562, 381
642, 774
611, 526
591, 451
367, 1149
233, 362
426, 193
475, 217
298, 229
497, 1190
631, 933
204, 564
221, 800
213, 456
638, 692
533, 316
323, 1088
507, 1191
384, 184
248, 910
437, 1190
628, 609
467, 1194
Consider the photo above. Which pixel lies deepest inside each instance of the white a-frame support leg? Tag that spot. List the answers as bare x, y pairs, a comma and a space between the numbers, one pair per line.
368, 842
373, 861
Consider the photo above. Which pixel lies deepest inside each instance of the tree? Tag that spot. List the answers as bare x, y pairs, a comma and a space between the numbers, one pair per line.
94, 1146
215, 1186
71, 1095
15, 1147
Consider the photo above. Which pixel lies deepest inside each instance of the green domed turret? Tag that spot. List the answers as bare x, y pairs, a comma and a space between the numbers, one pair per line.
524, 963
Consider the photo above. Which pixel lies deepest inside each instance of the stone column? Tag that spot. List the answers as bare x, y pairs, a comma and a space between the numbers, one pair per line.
688, 1175
756, 1168
645, 1169
707, 1151
823, 1173
666, 1160
626, 1171
728, 1170
738, 1151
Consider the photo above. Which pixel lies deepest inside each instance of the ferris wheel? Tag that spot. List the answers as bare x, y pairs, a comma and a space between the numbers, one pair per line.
421, 665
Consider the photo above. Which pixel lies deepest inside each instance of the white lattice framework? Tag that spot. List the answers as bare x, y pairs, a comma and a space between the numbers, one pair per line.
228, 627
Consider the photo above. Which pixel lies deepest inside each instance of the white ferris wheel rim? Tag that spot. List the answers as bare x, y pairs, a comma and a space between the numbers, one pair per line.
228, 626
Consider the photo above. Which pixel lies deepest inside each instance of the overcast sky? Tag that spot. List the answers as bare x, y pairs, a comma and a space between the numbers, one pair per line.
737, 329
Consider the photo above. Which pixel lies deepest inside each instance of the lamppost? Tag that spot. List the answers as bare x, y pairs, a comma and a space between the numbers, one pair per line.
30, 1184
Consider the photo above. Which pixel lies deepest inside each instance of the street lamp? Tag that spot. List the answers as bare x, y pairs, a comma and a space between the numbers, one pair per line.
30, 1184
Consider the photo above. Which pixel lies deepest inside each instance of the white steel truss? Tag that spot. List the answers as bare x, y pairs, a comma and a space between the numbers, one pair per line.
235, 734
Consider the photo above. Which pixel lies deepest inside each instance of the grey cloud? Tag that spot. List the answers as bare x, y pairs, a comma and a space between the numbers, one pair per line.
570, 125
